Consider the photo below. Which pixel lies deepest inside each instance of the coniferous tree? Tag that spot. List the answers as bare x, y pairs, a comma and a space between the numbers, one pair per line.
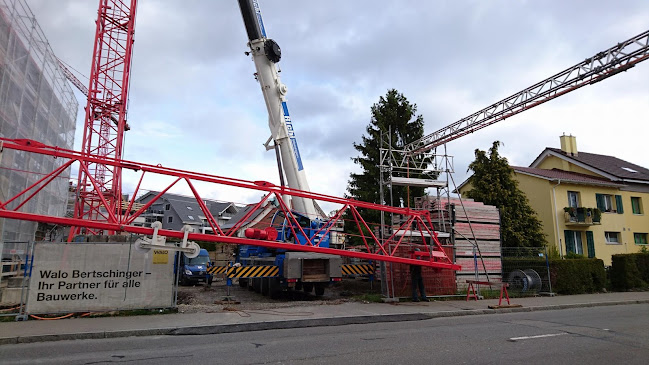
492, 183
393, 113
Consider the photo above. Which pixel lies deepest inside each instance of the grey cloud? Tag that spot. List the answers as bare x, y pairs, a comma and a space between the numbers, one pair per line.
450, 58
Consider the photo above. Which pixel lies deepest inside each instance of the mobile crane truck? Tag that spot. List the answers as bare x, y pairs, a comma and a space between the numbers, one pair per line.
296, 270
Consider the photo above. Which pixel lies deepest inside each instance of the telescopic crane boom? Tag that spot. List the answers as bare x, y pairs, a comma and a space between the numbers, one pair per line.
266, 53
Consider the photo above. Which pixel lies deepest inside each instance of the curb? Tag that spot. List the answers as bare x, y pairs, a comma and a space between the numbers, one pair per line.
300, 323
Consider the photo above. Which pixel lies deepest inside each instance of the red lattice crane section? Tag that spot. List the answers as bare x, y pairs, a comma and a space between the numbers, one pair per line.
373, 247
100, 185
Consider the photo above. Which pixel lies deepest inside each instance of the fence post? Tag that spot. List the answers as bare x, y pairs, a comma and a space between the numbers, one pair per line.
547, 265
29, 263
475, 268
177, 271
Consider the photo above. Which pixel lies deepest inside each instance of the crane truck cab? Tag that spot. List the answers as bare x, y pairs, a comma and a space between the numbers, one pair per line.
193, 271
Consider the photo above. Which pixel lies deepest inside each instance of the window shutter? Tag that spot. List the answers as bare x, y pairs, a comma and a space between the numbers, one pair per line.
618, 204
590, 243
600, 202
570, 241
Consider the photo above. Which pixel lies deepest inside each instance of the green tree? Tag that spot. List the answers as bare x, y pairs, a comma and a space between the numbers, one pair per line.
394, 113
492, 183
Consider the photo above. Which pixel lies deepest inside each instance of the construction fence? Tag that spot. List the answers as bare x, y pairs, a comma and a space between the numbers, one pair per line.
15, 258
84, 277
526, 271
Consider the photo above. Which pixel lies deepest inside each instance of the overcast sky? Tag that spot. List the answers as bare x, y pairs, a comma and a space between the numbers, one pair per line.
195, 105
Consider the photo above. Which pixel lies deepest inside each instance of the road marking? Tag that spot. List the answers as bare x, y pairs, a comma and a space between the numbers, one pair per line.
514, 339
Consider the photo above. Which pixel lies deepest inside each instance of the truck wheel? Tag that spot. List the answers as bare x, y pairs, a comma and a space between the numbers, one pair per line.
275, 288
308, 287
298, 285
256, 284
243, 283
319, 289
265, 286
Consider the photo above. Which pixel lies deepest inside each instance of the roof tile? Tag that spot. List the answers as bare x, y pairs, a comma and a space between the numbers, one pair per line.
609, 164
556, 174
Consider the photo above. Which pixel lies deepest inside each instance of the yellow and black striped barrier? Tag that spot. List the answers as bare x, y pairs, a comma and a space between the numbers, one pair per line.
217, 269
358, 269
256, 271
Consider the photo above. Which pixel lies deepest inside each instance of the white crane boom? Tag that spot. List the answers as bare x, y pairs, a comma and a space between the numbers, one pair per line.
266, 53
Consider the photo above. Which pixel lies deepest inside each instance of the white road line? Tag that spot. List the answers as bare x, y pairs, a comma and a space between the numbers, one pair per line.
514, 339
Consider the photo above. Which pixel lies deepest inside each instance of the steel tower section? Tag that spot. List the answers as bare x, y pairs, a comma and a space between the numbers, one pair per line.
105, 114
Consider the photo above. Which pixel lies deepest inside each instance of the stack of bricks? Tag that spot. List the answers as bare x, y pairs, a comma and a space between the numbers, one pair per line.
436, 281
475, 223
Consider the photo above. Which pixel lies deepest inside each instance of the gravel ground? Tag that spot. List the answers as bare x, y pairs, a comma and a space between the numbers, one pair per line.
205, 299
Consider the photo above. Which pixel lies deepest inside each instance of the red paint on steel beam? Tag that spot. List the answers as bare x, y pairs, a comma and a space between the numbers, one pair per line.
105, 116
158, 169
101, 225
375, 250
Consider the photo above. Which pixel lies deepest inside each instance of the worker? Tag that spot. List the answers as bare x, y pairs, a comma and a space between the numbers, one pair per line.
417, 281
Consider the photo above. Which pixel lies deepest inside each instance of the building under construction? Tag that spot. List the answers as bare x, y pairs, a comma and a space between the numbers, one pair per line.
36, 102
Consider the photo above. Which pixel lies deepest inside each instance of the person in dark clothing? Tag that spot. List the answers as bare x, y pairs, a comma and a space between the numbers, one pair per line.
417, 282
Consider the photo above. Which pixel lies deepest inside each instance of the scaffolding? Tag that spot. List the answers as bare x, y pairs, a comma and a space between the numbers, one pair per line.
398, 168
37, 103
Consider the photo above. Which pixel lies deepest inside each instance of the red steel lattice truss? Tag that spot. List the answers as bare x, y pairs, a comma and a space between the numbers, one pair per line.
100, 185
374, 248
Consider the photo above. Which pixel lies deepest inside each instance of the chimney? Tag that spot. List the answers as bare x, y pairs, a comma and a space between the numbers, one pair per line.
569, 144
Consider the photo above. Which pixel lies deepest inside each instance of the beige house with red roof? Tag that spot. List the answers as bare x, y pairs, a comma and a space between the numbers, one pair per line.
590, 204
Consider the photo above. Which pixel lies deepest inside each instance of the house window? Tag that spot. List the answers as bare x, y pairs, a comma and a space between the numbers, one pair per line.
573, 199
190, 217
612, 237
167, 206
640, 238
574, 242
609, 203
170, 219
636, 205
190, 208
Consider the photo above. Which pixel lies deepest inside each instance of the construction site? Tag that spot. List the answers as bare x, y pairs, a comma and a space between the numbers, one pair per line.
90, 226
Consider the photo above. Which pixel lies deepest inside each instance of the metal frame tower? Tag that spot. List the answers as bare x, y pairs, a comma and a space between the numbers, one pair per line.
99, 189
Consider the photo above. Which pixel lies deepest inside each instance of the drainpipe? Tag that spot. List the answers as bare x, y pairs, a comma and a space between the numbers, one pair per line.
554, 201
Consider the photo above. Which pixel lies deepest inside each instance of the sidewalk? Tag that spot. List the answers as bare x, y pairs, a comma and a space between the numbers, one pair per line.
297, 317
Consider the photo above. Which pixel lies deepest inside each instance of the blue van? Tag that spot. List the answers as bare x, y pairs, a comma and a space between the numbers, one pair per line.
194, 271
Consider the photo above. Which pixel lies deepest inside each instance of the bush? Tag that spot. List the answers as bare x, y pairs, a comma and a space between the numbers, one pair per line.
577, 276
630, 271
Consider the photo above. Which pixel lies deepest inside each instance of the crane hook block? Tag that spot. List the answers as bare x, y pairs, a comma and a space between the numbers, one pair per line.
273, 52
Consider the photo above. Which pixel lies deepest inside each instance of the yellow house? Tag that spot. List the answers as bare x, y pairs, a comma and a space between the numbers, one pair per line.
589, 204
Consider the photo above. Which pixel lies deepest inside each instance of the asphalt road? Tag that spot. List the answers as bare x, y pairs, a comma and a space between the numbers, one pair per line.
599, 335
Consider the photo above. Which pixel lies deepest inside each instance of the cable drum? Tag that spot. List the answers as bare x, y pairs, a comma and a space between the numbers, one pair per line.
535, 283
519, 280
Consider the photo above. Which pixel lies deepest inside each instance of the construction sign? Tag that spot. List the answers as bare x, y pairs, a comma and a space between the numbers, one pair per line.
87, 277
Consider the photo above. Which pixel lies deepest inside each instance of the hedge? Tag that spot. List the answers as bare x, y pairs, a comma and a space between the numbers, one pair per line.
574, 276
630, 271
577, 276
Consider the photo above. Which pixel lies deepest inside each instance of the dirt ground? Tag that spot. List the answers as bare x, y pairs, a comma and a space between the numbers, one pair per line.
217, 298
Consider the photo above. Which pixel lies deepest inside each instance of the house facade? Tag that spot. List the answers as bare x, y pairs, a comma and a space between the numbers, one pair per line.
175, 211
590, 204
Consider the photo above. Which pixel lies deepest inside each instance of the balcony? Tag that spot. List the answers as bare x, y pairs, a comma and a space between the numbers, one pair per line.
582, 216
